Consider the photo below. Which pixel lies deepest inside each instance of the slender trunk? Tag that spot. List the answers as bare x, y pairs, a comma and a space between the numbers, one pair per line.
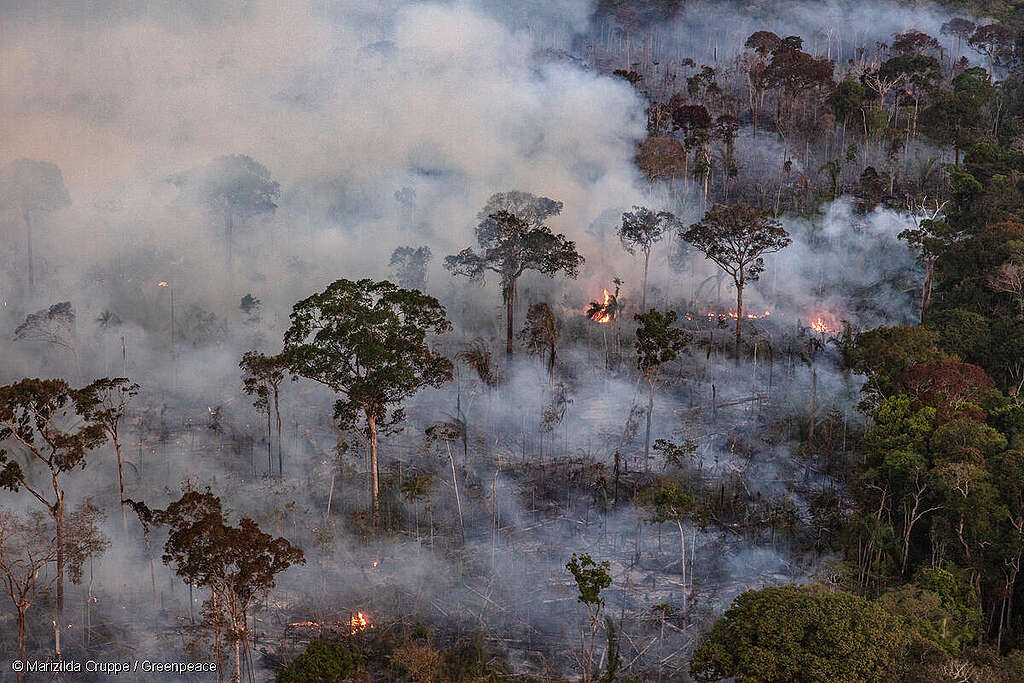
120, 480
739, 314
21, 640
643, 293
277, 411
926, 293
455, 485
371, 422
58, 519
270, 444
650, 409
682, 558
28, 241
238, 659
508, 293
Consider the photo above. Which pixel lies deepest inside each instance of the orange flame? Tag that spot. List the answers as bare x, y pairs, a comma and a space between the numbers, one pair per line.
358, 623
162, 284
605, 315
823, 323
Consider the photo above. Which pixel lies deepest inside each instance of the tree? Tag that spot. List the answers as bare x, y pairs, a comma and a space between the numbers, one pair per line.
32, 415
541, 333
736, 238
261, 377
513, 239
670, 503
366, 340
802, 633
931, 236
641, 229
32, 187
1009, 279
959, 27
103, 402
26, 549
657, 343
994, 41
235, 187
410, 266
54, 325
591, 578
235, 563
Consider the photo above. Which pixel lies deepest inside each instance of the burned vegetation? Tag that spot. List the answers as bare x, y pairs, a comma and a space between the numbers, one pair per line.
612, 341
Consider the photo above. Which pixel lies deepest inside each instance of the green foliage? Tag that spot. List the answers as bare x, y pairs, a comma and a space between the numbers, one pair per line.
898, 427
657, 341
591, 578
324, 660
366, 340
803, 633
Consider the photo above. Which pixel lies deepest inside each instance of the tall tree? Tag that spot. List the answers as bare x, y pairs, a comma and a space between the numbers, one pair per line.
33, 415
641, 229
55, 326
513, 239
736, 238
26, 549
262, 376
367, 341
234, 187
103, 402
657, 343
235, 563
32, 187
410, 266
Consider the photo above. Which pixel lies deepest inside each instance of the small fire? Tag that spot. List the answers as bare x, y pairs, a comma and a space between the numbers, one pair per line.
602, 314
358, 623
304, 624
162, 284
823, 323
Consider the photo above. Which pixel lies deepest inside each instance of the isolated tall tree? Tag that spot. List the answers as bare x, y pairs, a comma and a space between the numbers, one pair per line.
641, 229
931, 237
367, 341
657, 343
33, 418
55, 326
541, 333
513, 239
235, 563
32, 188
26, 549
235, 187
410, 266
262, 376
103, 402
994, 41
736, 238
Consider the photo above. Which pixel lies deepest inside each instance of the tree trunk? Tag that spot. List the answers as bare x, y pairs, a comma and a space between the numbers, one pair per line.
229, 228
682, 558
926, 292
28, 241
371, 423
643, 293
238, 659
120, 481
270, 444
277, 410
21, 640
739, 314
455, 485
58, 520
508, 293
650, 409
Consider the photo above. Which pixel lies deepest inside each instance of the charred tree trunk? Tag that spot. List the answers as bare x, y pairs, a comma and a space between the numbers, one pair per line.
58, 520
120, 480
650, 409
739, 314
643, 292
21, 639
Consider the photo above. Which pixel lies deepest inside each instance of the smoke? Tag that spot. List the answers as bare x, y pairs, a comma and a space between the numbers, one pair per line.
346, 104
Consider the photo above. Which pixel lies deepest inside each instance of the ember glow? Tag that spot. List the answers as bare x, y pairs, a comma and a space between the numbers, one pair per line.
711, 315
